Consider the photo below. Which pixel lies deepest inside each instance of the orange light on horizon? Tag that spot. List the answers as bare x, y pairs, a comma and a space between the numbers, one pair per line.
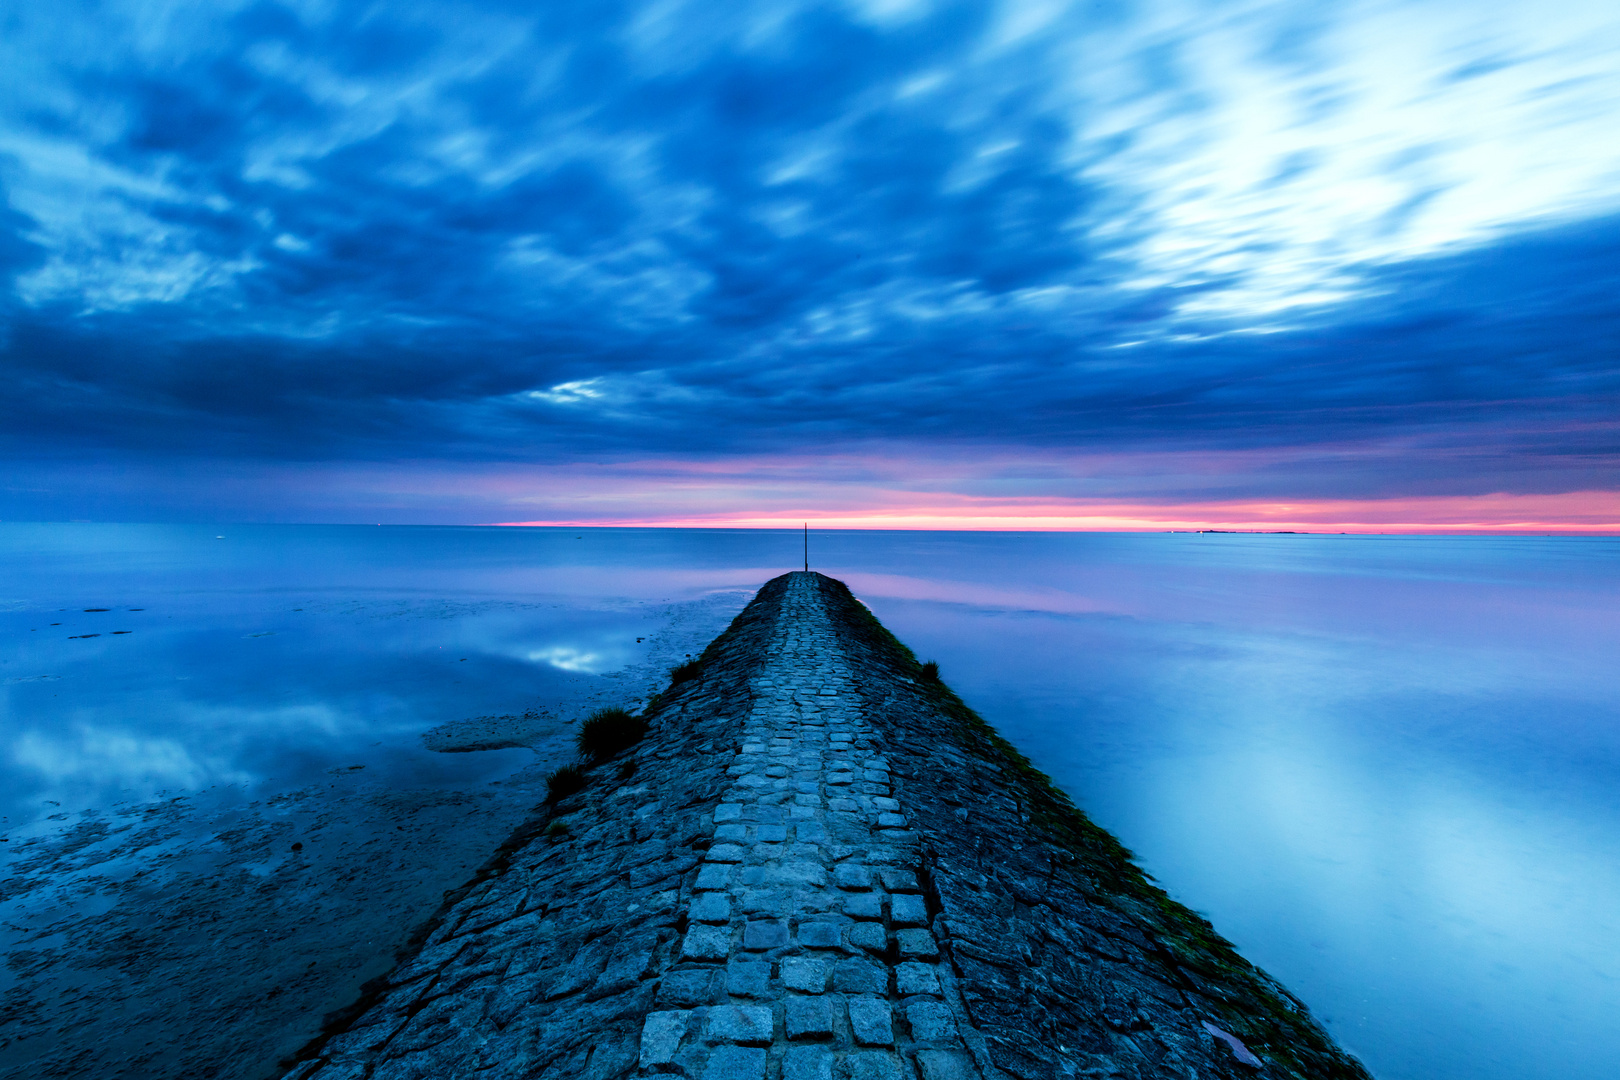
1579, 513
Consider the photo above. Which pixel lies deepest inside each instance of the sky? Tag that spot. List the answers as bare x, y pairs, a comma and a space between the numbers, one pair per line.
892, 263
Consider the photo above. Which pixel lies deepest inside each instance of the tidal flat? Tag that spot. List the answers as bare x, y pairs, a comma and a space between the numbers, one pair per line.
221, 825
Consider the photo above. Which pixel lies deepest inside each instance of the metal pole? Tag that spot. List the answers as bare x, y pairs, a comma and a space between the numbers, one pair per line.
807, 547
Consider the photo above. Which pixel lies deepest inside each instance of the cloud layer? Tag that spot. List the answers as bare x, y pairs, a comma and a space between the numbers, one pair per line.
1270, 250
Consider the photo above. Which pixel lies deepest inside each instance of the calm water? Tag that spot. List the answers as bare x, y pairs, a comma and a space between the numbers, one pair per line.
1388, 768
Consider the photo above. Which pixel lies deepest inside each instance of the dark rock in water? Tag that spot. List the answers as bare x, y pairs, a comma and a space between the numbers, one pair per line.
822, 865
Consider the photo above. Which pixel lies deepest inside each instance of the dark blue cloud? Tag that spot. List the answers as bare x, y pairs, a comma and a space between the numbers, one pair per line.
482, 233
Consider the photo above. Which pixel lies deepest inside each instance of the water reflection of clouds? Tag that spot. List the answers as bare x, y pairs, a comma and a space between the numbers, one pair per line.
568, 658
113, 757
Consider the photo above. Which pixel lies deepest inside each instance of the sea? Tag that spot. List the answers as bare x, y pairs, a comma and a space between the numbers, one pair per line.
1387, 768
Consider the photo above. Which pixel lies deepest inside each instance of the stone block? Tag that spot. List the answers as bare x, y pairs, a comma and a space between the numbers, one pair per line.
807, 1063
946, 1065
843, 806
772, 903
612, 1057
714, 876
869, 1065
641, 877
871, 1022
728, 812
748, 978
796, 872
917, 944
691, 986
706, 943
865, 905
869, 936
809, 1018
811, 832
731, 833
746, 1025
765, 934
581, 972
899, 879
859, 975
712, 907
930, 1021
880, 802
661, 1036
914, 978
807, 800
805, 975
908, 909
820, 935
803, 813
735, 1063
852, 876
623, 972
725, 853
771, 834
814, 901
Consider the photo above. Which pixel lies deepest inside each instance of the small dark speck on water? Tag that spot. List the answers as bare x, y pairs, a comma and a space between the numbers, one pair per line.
97, 609
123, 631
75, 637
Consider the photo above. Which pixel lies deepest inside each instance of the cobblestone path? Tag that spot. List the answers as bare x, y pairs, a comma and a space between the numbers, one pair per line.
809, 894
819, 865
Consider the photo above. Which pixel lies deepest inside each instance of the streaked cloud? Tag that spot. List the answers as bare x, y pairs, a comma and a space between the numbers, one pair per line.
1362, 250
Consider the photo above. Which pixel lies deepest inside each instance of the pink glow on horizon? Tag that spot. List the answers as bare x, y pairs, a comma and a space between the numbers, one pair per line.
1576, 513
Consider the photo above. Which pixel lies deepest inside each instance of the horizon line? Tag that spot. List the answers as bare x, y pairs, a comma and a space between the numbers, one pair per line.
1190, 528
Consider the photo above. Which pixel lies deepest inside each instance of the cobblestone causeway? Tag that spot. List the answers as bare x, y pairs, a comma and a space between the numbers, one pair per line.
810, 894
819, 866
